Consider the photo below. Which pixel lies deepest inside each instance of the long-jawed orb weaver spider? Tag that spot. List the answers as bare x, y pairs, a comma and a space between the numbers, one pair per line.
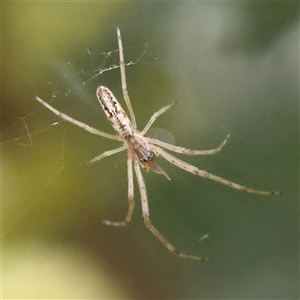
141, 151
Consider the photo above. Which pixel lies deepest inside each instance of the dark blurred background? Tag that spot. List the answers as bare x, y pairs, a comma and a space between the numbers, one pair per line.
232, 68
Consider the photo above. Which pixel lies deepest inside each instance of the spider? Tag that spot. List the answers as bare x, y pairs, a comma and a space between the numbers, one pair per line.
141, 151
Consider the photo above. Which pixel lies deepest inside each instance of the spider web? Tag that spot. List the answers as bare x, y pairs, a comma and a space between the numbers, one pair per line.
49, 192
42, 139
73, 92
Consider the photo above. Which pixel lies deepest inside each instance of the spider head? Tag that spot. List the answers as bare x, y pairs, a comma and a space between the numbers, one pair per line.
145, 155
139, 147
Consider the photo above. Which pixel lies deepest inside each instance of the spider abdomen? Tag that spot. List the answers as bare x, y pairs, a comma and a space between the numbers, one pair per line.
114, 112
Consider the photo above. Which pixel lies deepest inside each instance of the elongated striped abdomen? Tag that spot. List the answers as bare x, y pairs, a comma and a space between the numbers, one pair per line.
114, 112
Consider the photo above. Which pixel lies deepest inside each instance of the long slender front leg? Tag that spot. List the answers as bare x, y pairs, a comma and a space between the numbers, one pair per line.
194, 170
146, 215
130, 197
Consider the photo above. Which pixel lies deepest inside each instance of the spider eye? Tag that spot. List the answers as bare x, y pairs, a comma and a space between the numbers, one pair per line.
146, 158
144, 155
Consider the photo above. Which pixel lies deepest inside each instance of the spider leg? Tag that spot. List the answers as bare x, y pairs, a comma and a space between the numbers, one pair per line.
78, 123
130, 197
155, 116
146, 214
105, 154
185, 151
194, 170
123, 79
